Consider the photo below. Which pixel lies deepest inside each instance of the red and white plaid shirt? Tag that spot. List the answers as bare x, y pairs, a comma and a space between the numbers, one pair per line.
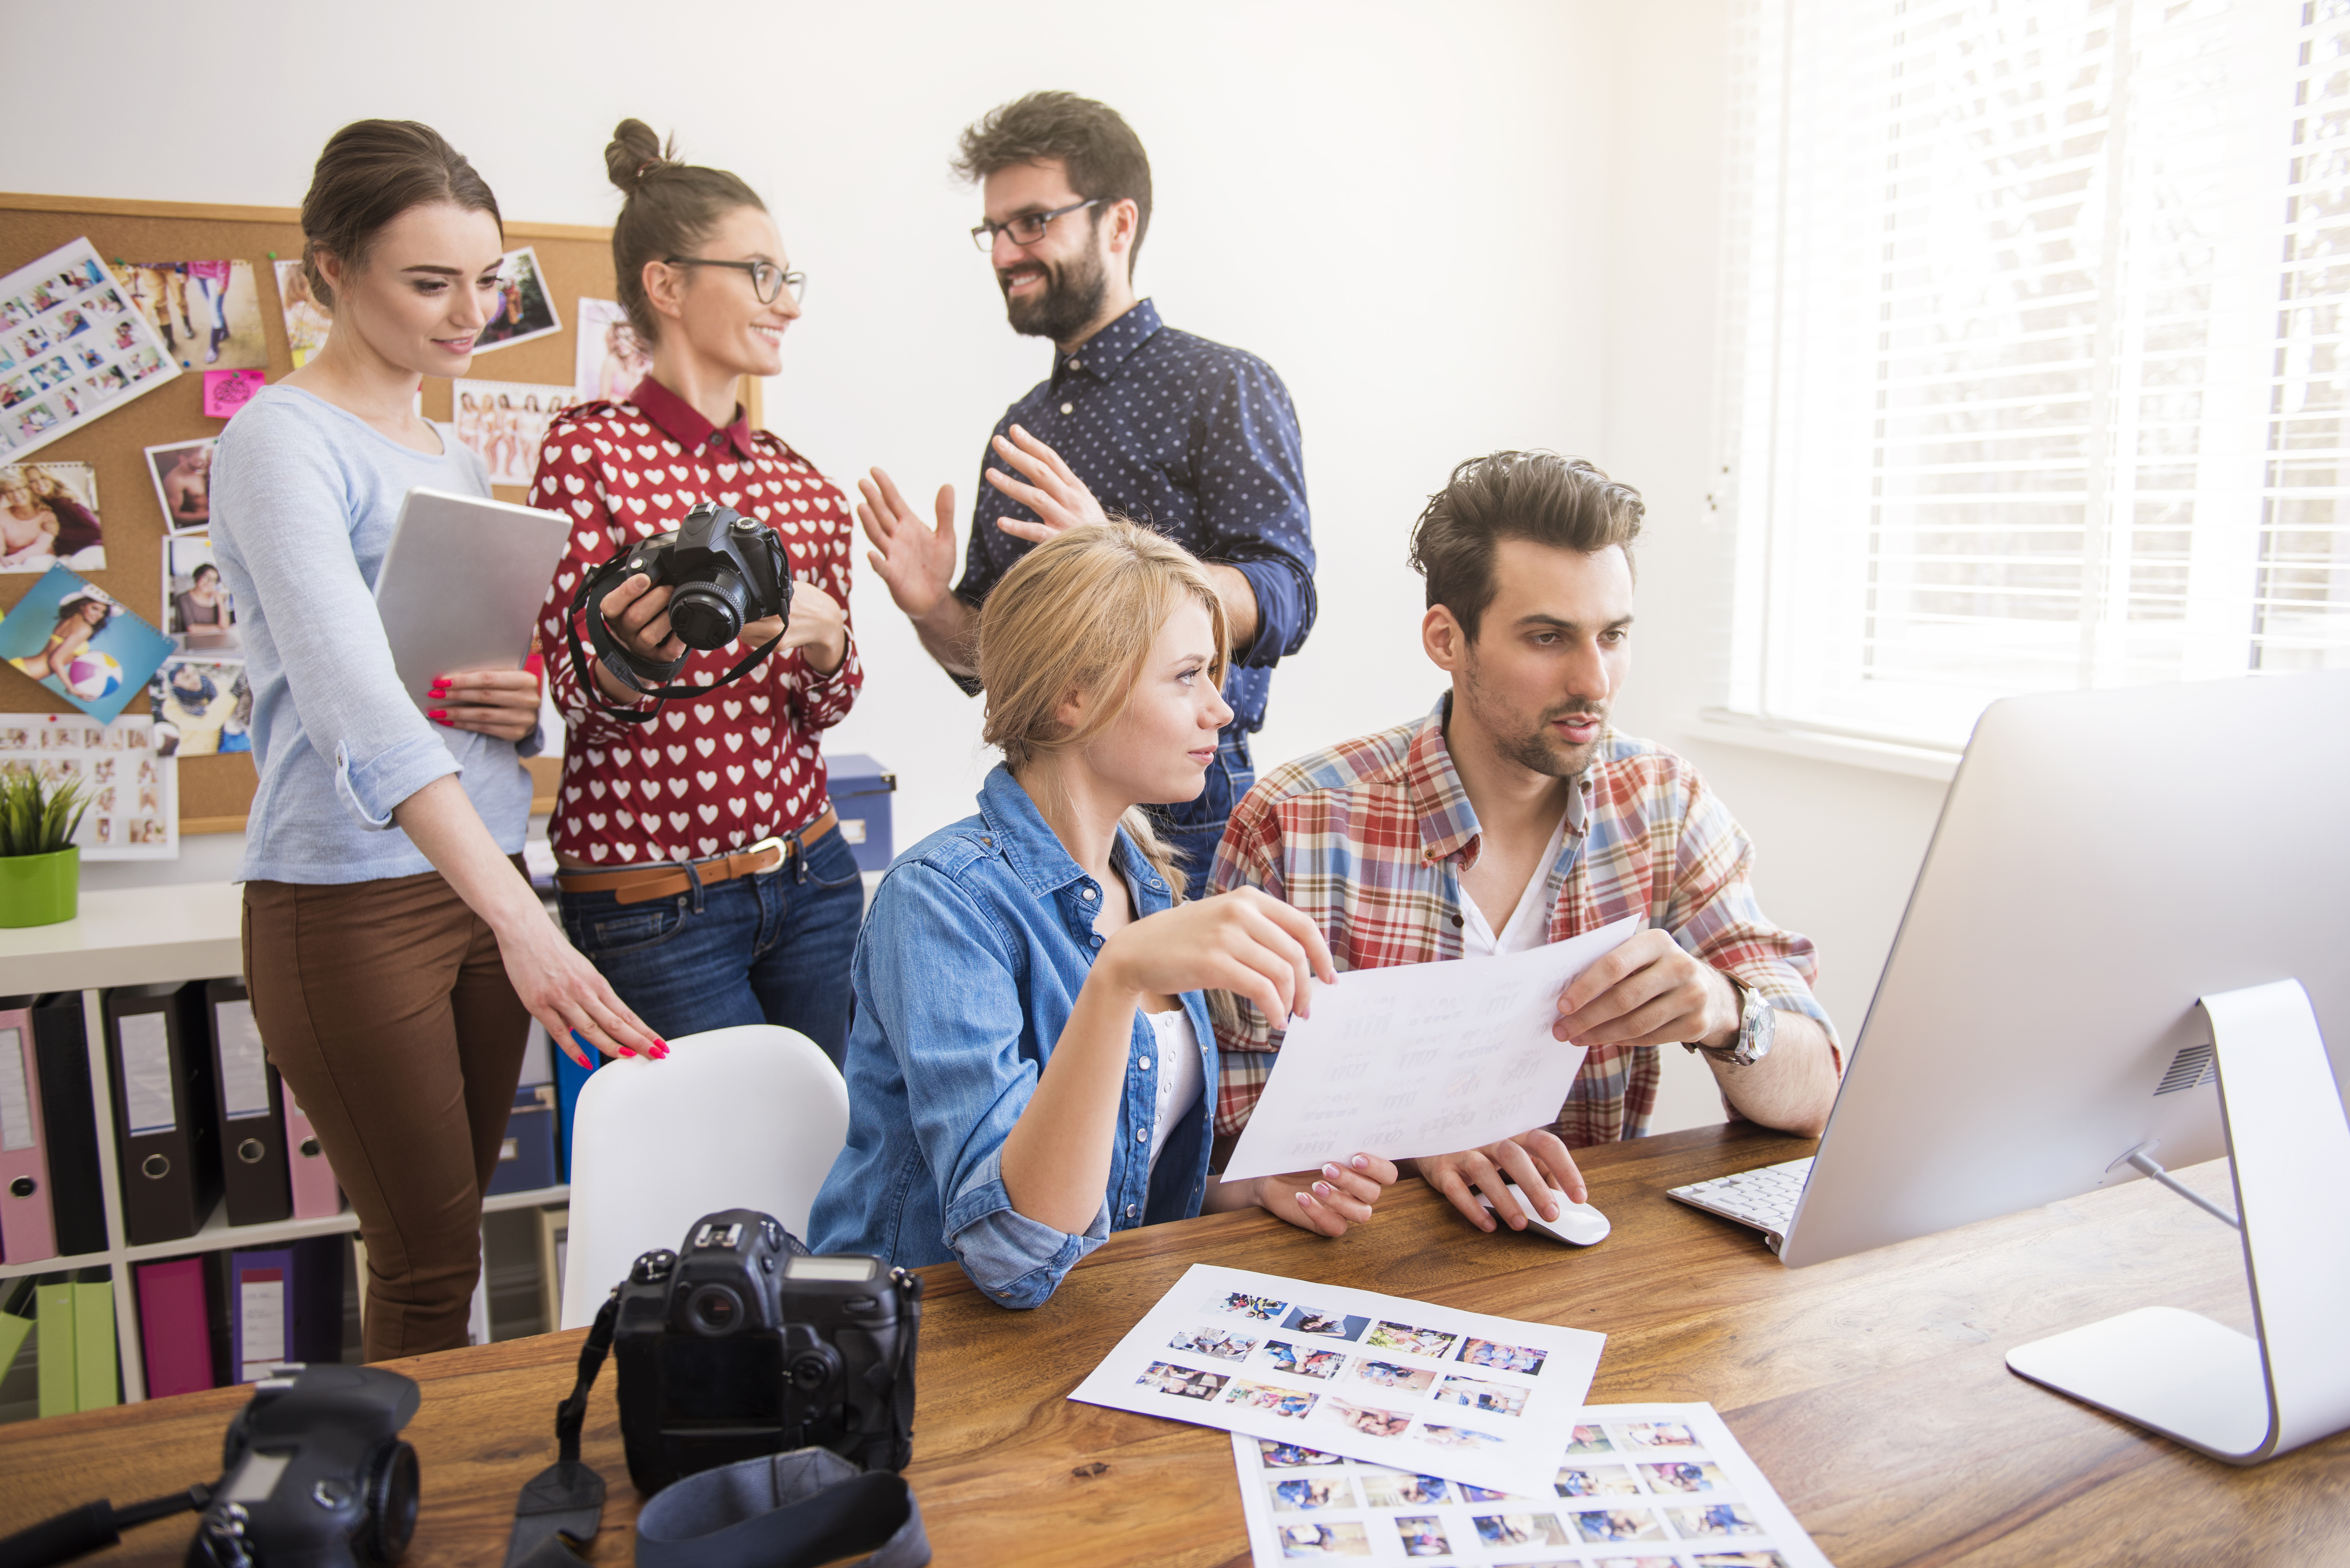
743, 763
1370, 838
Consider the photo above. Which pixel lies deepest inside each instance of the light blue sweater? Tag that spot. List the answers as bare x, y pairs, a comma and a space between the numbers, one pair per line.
303, 497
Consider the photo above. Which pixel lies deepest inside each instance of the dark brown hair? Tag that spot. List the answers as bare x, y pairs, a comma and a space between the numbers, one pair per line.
1563, 502
669, 210
370, 173
1095, 147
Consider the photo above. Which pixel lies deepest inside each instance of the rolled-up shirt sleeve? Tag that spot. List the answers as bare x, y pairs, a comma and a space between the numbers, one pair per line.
1251, 465
277, 492
946, 998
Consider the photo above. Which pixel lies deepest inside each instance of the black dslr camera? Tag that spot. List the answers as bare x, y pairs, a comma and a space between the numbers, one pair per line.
724, 571
741, 1343
314, 1474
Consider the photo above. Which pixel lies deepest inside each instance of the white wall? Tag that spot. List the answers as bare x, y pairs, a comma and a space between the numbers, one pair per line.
1452, 230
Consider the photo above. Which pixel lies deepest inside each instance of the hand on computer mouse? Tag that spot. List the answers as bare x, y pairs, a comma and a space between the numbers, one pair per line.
1535, 1160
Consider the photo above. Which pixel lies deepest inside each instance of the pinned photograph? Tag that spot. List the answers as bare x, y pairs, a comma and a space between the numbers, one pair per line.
1618, 1524
1369, 1422
1431, 1343
1274, 1401
1340, 1538
75, 639
1497, 1398
1330, 1325
1310, 1363
1402, 1489
48, 517
182, 472
1307, 1494
1713, 1520
307, 320
610, 361
208, 313
1598, 1481
131, 809
1221, 1342
1520, 1530
1291, 1457
1459, 1437
1263, 1309
1390, 1376
1654, 1435
1523, 1358
504, 423
1683, 1474
197, 614
1423, 1536
1184, 1382
69, 348
202, 708
524, 309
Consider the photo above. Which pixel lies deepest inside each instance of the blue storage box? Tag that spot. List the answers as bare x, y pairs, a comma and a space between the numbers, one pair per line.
526, 1161
861, 788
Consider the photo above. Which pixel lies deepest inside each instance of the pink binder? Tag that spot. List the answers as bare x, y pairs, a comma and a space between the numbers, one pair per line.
175, 1326
316, 1195
27, 1230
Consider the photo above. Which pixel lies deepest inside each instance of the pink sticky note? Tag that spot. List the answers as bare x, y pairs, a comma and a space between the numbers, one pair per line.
225, 392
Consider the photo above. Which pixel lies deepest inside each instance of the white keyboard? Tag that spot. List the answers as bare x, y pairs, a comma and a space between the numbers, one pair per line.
1765, 1199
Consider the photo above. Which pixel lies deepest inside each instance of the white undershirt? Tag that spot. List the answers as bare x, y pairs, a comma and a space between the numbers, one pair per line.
1181, 1081
1528, 926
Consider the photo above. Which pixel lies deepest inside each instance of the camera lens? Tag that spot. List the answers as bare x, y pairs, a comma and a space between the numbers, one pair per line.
708, 615
714, 1310
392, 1491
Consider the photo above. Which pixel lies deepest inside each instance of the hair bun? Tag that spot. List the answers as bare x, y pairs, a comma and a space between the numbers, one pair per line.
634, 151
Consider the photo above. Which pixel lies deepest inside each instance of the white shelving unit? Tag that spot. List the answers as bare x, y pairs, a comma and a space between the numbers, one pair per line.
152, 936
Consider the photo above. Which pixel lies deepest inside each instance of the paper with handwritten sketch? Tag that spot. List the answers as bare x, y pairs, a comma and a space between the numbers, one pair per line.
1420, 1059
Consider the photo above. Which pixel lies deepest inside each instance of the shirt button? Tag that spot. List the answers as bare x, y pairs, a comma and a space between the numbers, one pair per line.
1131, 1211
1068, 407
1145, 1063
1141, 1133
1096, 941
1087, 895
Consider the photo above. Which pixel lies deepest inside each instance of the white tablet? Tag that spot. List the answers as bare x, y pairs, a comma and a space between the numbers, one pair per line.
462, 583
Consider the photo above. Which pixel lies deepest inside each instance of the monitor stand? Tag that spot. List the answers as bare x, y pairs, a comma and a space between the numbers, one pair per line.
2237, 1398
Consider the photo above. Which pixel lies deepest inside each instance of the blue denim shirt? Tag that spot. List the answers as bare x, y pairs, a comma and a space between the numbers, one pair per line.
971, 959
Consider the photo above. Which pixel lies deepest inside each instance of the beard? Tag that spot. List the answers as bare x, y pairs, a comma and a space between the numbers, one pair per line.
1535, 746
1067, 303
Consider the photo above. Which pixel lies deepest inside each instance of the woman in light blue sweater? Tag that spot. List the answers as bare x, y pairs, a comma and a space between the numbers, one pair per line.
394, 949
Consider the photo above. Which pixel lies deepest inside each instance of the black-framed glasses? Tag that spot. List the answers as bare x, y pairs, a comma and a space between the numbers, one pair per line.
768, 281
1028, 227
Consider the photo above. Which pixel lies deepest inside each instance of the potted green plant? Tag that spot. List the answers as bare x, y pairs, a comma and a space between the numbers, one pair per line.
40, 868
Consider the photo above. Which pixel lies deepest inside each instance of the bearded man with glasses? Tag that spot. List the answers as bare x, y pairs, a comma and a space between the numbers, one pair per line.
1195, 439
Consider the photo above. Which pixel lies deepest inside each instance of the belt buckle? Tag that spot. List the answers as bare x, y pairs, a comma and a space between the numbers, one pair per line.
781, 846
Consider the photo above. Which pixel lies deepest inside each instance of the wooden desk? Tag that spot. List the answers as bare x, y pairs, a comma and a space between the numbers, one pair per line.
1870, 1390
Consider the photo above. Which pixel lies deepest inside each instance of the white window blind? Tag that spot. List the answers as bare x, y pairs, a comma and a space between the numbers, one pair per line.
2035, 317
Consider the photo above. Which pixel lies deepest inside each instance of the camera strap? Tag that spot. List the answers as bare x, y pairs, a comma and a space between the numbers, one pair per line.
623, 664
780, 1510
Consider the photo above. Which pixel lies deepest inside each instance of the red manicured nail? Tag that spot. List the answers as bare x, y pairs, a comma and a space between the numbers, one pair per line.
437, 714
626, 1051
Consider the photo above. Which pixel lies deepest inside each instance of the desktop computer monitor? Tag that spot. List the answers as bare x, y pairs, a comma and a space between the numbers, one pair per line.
2104, 860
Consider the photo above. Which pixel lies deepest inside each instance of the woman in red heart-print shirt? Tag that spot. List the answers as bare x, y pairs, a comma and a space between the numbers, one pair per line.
702, 869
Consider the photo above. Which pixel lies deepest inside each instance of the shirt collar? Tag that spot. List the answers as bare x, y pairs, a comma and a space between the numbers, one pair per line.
1106, 350
1447, 822
1034, 851
682, 423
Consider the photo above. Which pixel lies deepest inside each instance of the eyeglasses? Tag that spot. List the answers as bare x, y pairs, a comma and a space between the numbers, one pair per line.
768, 281
1027, 228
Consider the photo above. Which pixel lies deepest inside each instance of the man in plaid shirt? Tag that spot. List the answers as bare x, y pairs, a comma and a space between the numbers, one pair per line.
1512, 816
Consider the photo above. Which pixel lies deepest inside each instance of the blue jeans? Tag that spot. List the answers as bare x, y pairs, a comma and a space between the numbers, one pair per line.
770, 949
1196, 826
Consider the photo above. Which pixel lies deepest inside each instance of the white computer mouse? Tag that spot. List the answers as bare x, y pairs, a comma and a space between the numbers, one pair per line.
1578, 1223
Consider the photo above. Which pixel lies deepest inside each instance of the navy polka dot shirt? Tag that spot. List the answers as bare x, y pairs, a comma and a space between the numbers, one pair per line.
1198, 441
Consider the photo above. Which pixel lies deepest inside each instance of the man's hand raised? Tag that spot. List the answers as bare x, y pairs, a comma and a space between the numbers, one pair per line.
915, 561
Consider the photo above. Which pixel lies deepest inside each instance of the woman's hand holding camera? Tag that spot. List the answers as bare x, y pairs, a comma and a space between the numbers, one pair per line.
637, 614
817, 627
500, 704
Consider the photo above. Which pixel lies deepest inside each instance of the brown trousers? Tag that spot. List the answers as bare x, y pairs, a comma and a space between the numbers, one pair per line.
387, 1009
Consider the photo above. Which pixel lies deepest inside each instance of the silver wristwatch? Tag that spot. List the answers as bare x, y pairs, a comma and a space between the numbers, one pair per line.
1756, 1021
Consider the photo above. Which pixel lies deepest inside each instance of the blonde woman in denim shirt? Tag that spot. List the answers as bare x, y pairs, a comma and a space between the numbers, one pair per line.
1032, 1065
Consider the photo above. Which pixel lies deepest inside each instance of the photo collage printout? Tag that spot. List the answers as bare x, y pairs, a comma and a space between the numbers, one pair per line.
72, 347
1406, 1383
128, 786
1635, 1486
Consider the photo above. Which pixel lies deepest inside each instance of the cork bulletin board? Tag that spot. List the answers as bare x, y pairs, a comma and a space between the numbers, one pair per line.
216, 792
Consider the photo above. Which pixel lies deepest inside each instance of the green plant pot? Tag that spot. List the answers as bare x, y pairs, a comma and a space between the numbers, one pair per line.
39, 889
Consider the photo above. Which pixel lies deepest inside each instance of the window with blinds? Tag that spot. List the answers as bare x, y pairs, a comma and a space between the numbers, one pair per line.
2036, 325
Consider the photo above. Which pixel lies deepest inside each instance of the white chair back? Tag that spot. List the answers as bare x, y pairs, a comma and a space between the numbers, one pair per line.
749, 1118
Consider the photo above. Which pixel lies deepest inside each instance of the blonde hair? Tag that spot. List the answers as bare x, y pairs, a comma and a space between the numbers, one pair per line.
1079, 612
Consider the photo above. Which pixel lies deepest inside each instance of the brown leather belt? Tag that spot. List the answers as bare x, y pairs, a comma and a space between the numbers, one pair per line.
635, 884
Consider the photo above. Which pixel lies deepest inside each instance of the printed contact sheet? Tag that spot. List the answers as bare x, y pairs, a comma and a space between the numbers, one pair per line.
1633, 1486
1404, 1384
